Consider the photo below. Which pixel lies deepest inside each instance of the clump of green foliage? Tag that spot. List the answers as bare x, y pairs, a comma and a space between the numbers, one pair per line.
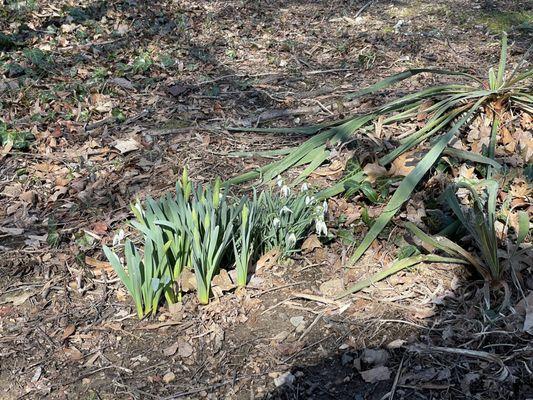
19, 140
200, 228
450, 108
286, 216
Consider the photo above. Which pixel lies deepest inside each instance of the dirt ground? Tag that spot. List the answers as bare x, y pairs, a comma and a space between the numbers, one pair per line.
120, 96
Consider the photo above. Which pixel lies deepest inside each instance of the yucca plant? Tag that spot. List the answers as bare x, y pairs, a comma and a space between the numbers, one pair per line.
449, 107
244, 244
480, 221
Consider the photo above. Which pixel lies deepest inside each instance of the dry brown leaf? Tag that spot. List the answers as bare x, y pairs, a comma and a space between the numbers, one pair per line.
17, 298
374, 171
332, 288
188, 280
72, 354
288, 349
126, 145
311, 243
99, 266
332, 171
223, 281
406, 162
69, 330
100, 228
269, 259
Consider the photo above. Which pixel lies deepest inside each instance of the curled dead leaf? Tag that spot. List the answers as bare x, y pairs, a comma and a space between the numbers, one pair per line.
374, 171
311, 243
269, 259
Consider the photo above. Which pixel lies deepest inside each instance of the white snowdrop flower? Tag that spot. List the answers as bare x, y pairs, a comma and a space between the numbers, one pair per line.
305, 187
285, 191
291, 239
276, 222
279, 181
309, 200
325, 206
285, 209
320, 227
119, 236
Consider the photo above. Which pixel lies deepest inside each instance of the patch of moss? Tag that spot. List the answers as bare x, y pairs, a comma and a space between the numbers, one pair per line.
498, 21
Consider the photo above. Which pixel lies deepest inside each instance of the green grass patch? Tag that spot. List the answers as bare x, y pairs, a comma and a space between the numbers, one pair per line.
499, 21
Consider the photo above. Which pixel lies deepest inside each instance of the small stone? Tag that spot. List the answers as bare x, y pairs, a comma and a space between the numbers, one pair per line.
396, 344
296, 321
169, 377
283, 379
375, 357
171, 350
184, 349
346, 359
332, 287
85, 381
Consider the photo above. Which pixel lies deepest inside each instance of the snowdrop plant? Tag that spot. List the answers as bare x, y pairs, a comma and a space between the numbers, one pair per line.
286, 216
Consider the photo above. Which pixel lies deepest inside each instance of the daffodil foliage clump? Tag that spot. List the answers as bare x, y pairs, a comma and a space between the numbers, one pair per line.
205, 229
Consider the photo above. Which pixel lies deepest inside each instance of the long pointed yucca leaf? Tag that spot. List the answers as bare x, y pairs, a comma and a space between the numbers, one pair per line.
395, 268
523, 227
493, 139
266, 153
270, 171
391, 80
503, 61
299, 153
446, 245
445, 113
520, 77
480, 225
408, 184
450, 91
428, 130
302, 130
321, 155
470, 156
339, 186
